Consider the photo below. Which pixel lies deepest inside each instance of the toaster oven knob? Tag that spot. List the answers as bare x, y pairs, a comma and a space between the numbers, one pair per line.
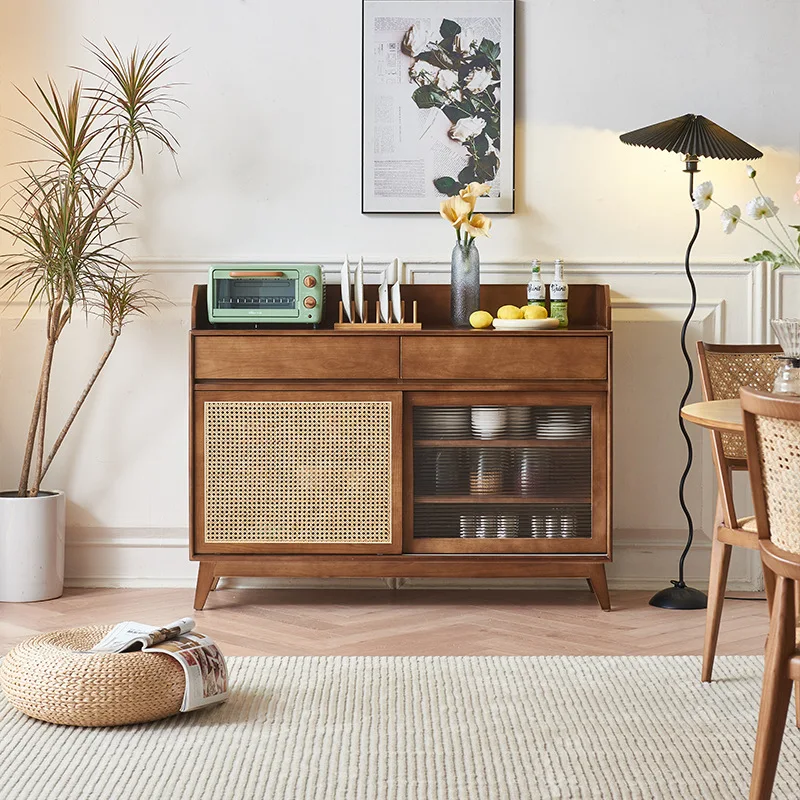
309, 302
311, 282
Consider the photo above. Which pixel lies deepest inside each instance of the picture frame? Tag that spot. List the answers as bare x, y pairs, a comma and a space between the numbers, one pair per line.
437, 103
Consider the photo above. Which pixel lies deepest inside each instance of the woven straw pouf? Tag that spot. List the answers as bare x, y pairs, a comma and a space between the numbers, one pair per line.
47, 677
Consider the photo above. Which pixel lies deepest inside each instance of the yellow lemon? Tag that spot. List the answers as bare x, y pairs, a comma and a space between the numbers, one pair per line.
480, 319
534, 312
509, 312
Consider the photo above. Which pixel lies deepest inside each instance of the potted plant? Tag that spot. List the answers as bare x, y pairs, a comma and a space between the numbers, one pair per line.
63, 218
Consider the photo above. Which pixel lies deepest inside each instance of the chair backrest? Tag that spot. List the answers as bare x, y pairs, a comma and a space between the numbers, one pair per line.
724, 369
772, 432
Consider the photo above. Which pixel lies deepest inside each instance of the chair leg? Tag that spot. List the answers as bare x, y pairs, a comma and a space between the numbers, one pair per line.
797, 683
776, 691
717, 581
769, 587
797, 704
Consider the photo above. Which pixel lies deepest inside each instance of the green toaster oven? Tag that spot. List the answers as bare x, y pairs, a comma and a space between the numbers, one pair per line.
278, 293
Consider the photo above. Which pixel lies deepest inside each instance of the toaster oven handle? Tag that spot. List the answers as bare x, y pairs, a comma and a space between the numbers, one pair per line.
248, 274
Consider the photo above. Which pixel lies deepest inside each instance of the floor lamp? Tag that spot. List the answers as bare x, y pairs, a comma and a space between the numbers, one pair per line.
694, 137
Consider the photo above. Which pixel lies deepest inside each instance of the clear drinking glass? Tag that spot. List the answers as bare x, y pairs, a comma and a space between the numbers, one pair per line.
787, 379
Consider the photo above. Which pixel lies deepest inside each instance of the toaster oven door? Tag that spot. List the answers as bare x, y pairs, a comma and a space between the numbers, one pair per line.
266, 294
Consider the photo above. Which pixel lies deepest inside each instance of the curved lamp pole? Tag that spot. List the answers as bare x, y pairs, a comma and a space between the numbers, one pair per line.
693, 136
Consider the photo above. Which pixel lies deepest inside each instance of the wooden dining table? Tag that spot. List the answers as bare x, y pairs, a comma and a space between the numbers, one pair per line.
718, 415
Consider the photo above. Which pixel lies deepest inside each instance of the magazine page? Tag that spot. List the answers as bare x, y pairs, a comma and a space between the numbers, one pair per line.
136, 635
203, 665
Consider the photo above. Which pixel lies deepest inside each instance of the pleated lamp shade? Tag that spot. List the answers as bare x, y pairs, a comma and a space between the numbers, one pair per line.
693, 135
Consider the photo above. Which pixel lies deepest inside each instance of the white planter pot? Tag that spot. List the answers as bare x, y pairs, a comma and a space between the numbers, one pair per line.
31, 547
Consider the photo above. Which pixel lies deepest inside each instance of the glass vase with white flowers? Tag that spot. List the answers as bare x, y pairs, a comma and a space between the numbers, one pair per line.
465, 265
784, 246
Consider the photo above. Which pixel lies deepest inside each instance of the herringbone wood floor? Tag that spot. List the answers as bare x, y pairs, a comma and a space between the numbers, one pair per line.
405, 622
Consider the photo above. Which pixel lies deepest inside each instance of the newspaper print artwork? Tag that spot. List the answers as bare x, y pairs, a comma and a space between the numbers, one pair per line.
438, 102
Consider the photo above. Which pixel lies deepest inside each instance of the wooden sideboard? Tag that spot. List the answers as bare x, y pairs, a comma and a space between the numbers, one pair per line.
433, 453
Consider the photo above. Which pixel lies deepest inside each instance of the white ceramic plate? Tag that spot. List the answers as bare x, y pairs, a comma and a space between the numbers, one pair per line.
346, 298
524, 324
358, 287
383, 299
397, 306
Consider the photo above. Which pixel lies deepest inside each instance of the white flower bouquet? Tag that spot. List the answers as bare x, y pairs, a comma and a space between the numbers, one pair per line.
784, 246
460, 75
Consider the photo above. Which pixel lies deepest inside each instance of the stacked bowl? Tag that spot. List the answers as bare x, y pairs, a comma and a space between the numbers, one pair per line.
570, 422
489, 422
442, 422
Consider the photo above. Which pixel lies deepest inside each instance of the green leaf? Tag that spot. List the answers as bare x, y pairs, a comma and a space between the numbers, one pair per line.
486, 168
492, 129
796, 227
490, 49
467, 175
428, 97
449, 28
481, 144
777, 259
453, 113
448, 186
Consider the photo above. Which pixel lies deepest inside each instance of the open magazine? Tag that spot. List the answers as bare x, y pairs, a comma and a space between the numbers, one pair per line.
203, 663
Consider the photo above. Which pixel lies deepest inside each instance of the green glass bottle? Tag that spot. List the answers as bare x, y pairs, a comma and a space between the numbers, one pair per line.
559, 294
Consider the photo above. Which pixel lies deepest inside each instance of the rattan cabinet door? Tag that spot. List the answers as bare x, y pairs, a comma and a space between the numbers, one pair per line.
297, 472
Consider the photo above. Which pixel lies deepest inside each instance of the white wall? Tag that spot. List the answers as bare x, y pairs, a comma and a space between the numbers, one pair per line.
270, 169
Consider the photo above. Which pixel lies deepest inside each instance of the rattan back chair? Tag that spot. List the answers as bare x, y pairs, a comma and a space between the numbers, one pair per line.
772, 432
724, 369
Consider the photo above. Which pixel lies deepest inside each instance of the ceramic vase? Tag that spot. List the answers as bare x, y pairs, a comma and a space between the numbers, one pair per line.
31, 547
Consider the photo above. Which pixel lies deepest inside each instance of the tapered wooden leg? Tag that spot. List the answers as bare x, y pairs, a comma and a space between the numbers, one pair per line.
214, 585
769, 587
776, 691
599, 585
797, 683
797, 704
205, 577
717, 581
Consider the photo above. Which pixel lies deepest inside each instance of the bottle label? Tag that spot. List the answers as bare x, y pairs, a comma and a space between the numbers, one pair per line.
559, 291
558, 310
536, 291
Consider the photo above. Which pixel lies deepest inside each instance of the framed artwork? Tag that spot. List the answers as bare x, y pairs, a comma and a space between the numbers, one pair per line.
438, 103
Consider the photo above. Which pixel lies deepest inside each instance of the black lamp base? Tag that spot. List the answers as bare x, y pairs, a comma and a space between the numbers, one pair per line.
679, 596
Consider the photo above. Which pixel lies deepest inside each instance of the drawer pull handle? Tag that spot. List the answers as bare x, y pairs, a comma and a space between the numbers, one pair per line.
257, 274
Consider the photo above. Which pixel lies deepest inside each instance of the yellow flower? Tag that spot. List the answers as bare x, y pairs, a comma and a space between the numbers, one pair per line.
454, 210
472, 192
478, 225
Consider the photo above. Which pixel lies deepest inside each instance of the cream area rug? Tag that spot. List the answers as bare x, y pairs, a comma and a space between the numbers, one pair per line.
419, 728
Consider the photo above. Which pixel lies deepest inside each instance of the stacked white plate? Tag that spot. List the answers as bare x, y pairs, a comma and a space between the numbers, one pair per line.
442, 422
521, 424
489, 422
563, 423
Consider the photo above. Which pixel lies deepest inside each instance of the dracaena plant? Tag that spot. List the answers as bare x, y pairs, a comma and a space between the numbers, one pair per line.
65, 211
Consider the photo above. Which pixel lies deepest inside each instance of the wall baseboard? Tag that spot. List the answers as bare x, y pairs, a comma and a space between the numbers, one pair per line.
159, 558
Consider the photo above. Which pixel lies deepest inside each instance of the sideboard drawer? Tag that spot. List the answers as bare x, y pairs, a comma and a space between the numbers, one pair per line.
487, 356
296, 357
